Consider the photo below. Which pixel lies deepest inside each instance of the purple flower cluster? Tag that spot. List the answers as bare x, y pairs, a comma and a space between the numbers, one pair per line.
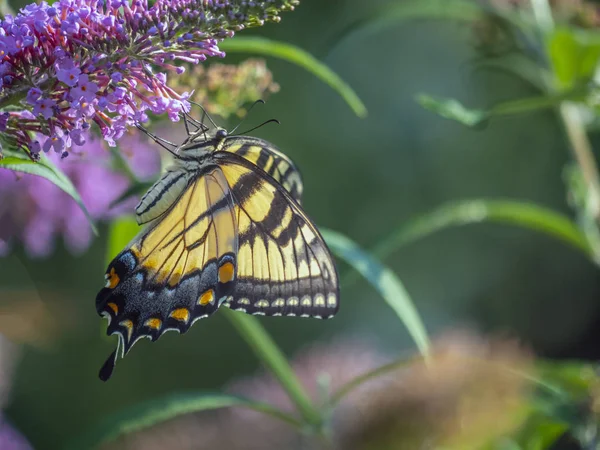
80, 62
35, 212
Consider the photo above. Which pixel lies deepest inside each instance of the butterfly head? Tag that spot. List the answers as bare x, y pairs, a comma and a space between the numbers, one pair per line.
221, 134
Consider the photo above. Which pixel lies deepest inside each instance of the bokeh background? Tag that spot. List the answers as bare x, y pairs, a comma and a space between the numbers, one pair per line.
364, 178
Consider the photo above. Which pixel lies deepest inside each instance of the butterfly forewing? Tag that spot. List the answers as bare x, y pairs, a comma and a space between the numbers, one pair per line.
284, 266
268, 158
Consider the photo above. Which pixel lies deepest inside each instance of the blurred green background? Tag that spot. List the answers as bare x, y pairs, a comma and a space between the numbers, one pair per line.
364, 178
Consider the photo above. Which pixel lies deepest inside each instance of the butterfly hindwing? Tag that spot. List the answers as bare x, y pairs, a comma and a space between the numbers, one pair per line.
284, 266
178, 269
267, 157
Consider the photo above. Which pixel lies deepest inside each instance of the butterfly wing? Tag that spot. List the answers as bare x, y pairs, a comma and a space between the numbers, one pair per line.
283, 265
177, 270
267, 157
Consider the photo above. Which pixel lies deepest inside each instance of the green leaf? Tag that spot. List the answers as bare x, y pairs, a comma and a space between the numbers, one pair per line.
46, 169
523, 214
398, 12
574, 55
147, 414
519, 65
355, 383
384, 281
452, 109
120, 233
271, 356
541, 435
295, 55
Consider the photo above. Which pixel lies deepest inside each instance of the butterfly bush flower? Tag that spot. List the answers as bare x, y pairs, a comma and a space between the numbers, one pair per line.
66, 66
35, 212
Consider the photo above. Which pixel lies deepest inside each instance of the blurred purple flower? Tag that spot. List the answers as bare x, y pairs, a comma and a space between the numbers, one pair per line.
318, 367
79, 54
10, 439
467, 396
36, 212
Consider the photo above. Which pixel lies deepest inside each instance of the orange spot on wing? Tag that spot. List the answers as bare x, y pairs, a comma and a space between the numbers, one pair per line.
114, 307
153, 323
181, 314
207, 297
226, 272
113, 279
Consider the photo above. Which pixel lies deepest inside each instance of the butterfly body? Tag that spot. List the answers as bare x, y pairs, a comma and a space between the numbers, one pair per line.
223, 227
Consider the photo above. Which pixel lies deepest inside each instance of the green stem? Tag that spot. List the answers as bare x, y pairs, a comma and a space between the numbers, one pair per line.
459, 213
359, 380
271, 356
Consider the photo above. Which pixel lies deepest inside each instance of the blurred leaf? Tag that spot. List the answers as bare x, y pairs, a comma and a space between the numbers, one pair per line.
384, 281
5, 8
271, 356
574, 55
523, 214
397, 12
578, 196
574, 378
295, 55
394, 13
517, 64
452, 109
355, 383
153, 412
44, 168
578, 385
122, 230
538, 433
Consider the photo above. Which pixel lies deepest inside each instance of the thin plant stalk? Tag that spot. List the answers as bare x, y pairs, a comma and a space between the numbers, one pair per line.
272, 357
576, 133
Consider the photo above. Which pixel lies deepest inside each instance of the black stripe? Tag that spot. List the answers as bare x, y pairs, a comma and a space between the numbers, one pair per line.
243, 150
160, 194
263, 157
215, 207
246, 186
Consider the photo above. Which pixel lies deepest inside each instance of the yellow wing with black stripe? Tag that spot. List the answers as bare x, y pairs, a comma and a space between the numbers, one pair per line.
267, 157
176, 271
283, 264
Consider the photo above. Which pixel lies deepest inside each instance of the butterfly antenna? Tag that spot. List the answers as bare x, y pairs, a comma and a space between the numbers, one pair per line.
205, 113
261, 101
258, 126
202, 122
160, 141
185, 123
195, 123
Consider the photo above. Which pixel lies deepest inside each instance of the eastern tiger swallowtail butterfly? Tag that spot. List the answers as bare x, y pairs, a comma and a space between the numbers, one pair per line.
223, 227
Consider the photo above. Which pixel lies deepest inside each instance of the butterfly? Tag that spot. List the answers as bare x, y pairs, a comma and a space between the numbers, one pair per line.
224, 226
